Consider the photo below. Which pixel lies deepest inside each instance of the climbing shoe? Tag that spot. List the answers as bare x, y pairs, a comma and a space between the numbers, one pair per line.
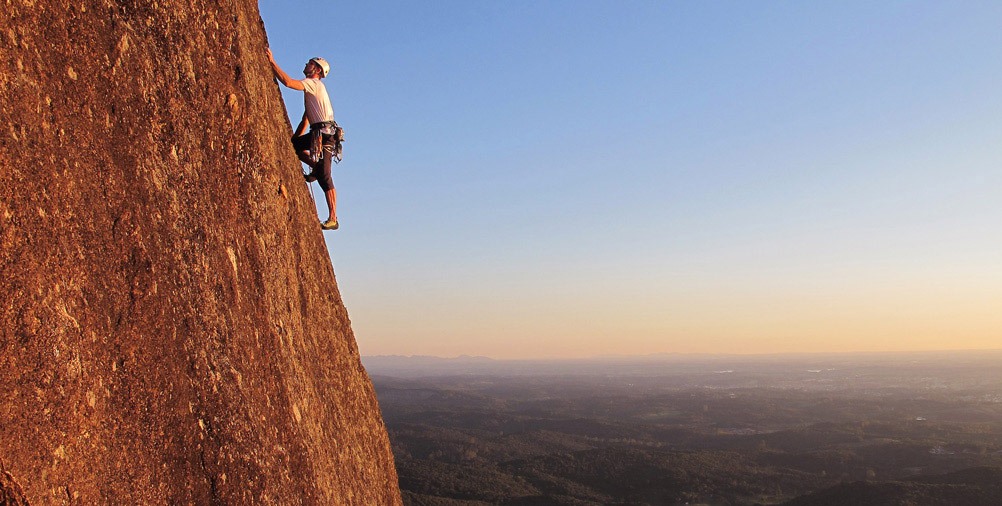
329, 225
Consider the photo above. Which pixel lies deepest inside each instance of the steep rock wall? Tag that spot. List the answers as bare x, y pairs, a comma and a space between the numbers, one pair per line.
170, 325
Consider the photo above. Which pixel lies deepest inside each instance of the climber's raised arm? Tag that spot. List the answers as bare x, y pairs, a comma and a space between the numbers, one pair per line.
282, 76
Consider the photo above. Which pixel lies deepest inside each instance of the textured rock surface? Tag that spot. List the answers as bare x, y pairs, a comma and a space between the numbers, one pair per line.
170, 326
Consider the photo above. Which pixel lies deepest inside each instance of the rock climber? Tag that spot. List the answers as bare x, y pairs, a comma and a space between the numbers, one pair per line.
315, 149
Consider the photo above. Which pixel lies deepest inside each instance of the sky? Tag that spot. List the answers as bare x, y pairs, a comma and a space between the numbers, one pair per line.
572, 179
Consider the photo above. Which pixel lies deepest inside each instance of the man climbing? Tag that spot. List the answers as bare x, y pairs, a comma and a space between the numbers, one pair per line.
315, 149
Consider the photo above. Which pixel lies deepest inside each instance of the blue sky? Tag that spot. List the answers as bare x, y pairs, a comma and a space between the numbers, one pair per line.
579, 178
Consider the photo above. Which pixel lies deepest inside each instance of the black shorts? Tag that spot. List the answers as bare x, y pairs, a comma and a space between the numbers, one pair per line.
322, 170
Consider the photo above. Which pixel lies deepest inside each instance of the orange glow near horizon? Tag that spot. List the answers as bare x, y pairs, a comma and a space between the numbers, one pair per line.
718, 320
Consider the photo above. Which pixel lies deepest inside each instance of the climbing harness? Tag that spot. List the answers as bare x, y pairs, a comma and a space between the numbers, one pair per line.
317, 146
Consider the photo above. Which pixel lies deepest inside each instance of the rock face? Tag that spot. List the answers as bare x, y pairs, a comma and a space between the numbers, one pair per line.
171, 331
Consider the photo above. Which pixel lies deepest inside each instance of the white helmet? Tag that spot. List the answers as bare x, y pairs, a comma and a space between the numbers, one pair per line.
324, 66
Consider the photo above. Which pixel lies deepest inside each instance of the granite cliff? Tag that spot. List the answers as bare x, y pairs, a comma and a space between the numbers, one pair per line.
171, 331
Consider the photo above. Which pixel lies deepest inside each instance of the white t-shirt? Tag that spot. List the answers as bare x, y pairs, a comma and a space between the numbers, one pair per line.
318, 103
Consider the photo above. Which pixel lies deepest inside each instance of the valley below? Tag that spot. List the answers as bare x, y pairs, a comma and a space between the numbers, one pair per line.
921, 428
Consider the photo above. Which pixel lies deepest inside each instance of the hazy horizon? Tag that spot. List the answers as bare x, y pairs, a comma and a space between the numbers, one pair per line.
705, 354
612, 354
571, 179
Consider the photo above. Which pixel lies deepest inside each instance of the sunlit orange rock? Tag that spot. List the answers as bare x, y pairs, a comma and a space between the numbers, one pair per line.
171, 331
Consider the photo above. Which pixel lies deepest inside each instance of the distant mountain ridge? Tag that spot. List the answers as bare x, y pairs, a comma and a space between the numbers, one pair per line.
426, 365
